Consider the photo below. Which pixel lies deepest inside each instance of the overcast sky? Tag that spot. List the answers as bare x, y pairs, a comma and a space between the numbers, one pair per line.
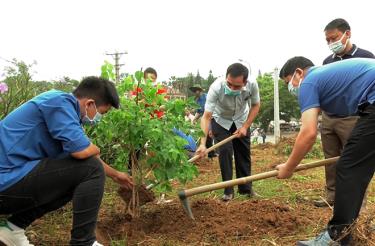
70, 37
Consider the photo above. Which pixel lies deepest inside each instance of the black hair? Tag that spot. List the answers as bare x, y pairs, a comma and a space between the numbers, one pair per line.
340, 24
101, 90
237, 69
293, 63
150, 70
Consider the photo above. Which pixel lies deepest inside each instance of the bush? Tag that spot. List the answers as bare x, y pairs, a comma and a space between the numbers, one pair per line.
136, 127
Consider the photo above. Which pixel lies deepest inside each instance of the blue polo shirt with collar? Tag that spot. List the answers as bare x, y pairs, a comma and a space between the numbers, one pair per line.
340, 87
354, 52
47, 126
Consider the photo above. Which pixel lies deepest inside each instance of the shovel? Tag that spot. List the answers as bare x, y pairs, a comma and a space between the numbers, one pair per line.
184, 194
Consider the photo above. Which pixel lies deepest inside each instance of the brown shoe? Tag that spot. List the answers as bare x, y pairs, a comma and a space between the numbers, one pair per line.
323, 203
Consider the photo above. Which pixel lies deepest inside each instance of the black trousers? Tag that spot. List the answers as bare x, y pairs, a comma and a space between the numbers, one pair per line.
354, 172
209, 143
50, 186
240, 148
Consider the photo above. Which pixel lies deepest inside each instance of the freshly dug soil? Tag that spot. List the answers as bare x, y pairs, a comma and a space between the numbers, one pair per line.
145, 196
215, 222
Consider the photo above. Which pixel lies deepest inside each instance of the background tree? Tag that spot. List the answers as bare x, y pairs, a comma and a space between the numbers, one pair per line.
289, 107
19, 86
198, 79
210, 79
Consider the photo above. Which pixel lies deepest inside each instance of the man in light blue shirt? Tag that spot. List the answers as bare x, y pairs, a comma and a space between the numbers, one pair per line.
46, 160
342, 88
232, 103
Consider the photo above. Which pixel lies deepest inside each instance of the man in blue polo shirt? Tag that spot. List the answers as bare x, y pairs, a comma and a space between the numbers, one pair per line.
200, 99
46, 160
341, 88
336, 128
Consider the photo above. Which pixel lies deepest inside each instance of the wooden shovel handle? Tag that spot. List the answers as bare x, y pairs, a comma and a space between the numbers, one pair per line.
244, 180
215, 146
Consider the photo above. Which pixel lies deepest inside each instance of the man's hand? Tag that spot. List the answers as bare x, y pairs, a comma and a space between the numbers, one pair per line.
242, 132
284, 171
201, 151
124, 180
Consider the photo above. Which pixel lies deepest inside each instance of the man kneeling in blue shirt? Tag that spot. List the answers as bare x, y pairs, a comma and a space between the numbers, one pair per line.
342, 88
46, 160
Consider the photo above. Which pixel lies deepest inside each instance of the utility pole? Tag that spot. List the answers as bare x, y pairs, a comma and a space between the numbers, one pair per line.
276, 118
116, 56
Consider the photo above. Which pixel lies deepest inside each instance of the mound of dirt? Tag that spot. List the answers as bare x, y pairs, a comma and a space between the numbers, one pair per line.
216, 222
145, 196
286, 142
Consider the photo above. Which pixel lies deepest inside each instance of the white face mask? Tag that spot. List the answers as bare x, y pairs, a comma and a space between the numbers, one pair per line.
294, 90
87, 121
228, 91
338, 47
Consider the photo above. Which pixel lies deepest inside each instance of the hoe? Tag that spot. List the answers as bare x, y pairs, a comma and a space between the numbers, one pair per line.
184, 194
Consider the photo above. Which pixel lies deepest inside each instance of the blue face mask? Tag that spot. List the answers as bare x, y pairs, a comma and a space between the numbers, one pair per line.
87, 121
293, 90
229, 92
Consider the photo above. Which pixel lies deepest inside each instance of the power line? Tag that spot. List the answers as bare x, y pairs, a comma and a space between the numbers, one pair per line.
116, 56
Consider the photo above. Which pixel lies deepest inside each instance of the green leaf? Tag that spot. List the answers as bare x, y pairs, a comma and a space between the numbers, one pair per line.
138, 76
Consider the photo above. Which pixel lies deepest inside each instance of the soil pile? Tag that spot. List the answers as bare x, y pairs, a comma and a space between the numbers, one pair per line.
215, 222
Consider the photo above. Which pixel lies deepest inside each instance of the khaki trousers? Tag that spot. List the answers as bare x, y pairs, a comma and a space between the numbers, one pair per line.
335, 133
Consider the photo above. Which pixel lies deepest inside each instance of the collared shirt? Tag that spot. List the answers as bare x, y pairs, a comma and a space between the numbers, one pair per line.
47, 126
355, 52
339, 88
231, 109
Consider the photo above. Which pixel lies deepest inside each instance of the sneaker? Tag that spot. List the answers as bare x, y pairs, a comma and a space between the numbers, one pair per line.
322, 239
323, 203
97, 244
12, 237
227, 198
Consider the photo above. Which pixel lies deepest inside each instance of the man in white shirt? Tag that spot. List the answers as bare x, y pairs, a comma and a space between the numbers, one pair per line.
232, 103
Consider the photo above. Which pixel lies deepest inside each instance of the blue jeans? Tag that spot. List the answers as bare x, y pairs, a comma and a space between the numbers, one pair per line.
52, 184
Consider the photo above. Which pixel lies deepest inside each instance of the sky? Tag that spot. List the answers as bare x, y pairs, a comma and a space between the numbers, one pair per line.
70, 37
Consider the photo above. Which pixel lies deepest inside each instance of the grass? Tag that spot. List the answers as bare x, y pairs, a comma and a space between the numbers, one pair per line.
302, 188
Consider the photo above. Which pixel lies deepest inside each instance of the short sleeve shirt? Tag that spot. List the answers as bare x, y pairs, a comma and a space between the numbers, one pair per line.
47, 126
340, 87
226, 109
